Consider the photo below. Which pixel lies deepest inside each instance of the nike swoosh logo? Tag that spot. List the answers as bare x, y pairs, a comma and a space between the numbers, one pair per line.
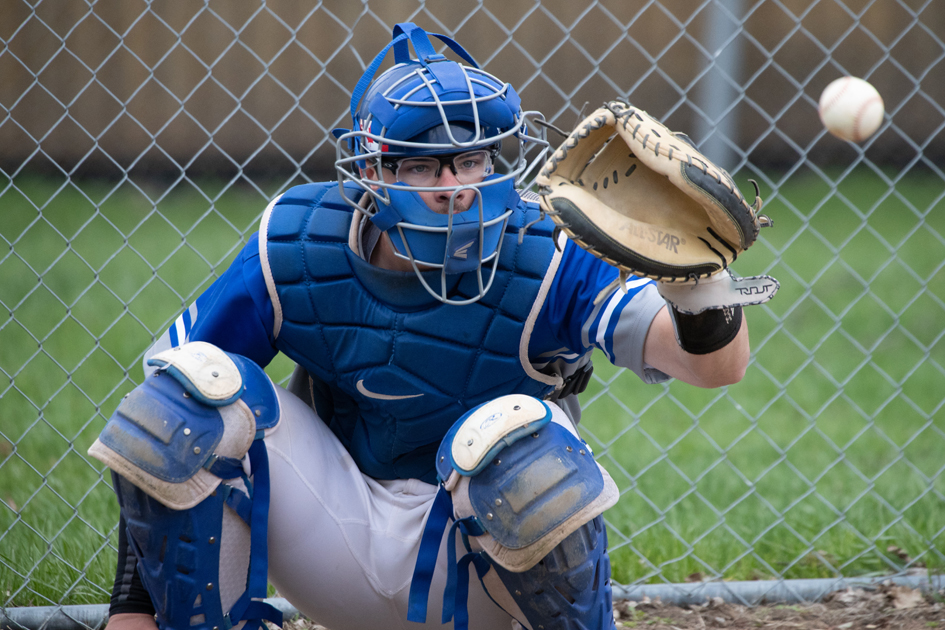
364, 390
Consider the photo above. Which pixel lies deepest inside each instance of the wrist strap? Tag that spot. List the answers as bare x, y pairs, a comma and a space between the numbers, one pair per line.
708, 331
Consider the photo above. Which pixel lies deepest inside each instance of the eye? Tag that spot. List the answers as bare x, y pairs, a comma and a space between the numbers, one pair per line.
418, 167
471, 162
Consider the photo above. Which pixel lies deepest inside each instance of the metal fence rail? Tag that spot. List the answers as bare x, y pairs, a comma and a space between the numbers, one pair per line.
140, 142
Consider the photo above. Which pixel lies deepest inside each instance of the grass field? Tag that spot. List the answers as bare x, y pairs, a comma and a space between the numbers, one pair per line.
828, 458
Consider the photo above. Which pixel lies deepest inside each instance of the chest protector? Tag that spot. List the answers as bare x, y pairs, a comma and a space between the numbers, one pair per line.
392, 368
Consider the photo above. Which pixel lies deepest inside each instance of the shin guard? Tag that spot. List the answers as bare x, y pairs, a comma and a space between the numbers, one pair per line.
191, 474
570, 588
526, 496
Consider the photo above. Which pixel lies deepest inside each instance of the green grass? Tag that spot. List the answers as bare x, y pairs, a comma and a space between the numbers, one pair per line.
829, 452
87, 284
831, 449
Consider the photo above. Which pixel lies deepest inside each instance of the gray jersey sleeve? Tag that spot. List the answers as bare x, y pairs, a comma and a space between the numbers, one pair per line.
619, 324
630, 334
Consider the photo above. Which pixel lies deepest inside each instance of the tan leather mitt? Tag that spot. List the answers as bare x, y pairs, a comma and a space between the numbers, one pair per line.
645, 200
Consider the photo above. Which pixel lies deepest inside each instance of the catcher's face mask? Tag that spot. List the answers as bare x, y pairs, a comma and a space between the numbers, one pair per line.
419, 118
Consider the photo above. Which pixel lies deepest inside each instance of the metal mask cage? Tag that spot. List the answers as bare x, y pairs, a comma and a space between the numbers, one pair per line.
360, 148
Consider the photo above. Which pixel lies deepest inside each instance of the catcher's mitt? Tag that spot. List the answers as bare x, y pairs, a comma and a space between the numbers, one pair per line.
645, 200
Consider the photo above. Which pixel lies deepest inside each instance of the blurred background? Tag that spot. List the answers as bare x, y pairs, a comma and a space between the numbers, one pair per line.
140, 142
141, 89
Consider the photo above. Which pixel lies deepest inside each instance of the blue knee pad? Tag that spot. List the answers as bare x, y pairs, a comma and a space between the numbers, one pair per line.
528, 491
176, 446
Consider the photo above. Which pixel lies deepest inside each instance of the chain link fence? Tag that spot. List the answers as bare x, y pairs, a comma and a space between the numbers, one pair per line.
140, 141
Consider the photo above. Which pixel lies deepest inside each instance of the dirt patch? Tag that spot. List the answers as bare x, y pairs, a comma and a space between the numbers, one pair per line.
888, 607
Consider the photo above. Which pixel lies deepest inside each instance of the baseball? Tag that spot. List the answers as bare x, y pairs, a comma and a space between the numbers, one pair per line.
851, 109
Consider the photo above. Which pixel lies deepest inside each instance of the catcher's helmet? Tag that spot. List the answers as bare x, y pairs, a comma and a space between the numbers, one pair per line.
406, 120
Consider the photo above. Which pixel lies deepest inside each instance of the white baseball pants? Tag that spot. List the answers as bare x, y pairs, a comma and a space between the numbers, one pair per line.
342, 546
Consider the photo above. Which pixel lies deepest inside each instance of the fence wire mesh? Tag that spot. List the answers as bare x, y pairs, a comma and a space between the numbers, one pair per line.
140, 141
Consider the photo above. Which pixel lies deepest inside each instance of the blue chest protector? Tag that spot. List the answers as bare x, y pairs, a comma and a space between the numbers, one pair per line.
393, 368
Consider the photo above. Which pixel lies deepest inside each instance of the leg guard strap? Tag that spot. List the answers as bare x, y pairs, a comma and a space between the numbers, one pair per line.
247, 606
239, 502
440, 514
457, 578
572, 583
456, 592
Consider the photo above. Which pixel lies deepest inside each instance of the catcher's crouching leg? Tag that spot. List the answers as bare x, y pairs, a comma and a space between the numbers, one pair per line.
191, 474
527, 497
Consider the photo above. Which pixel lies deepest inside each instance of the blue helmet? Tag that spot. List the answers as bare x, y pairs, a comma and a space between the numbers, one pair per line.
431, 106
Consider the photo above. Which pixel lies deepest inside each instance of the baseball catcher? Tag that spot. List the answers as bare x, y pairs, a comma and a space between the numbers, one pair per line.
424, 465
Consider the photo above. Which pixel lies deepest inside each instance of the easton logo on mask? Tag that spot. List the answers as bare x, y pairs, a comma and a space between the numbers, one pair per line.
463, 248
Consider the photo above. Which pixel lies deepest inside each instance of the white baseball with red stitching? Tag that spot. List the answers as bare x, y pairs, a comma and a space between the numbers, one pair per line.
851, 109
